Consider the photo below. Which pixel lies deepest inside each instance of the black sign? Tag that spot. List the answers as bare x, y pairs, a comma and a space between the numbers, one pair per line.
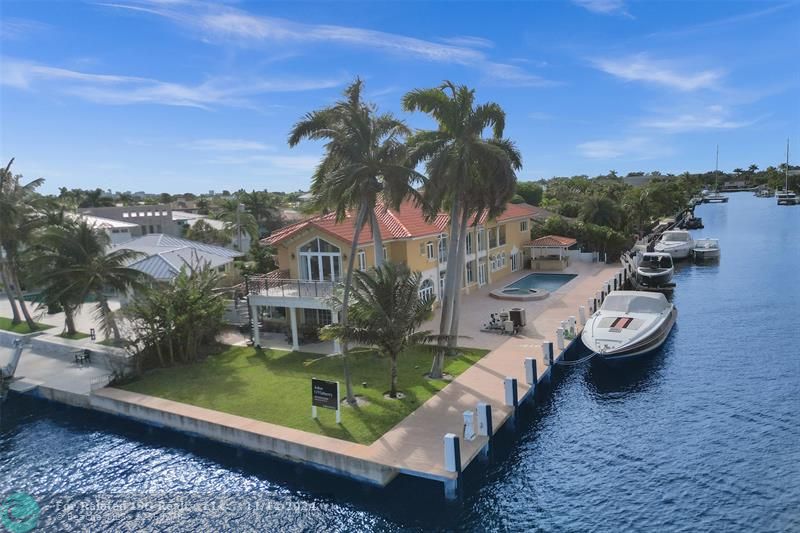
324, 394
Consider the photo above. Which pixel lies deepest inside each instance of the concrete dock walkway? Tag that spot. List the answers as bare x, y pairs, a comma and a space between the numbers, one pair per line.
415, 445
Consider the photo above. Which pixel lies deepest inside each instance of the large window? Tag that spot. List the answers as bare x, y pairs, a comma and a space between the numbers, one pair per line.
481, 239
320, 317
515, 261
470, 272
497, 261
426, 289
429, 251
523, 226
320, 261
442, 276
493, 238
362, 260
469, 242
443, 248
501, 234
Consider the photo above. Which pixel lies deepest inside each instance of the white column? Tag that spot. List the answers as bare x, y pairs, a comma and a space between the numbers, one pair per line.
337, 347
293, 320
255, 325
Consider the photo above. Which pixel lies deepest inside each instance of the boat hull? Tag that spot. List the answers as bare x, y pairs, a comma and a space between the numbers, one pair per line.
648, 279
702, 255
681, 252
641, 349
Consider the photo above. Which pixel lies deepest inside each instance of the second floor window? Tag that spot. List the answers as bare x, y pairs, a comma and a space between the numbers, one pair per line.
442, 248
481, 239
493, 238
523, 226
469, 242
362, 260
429, 251
501, 235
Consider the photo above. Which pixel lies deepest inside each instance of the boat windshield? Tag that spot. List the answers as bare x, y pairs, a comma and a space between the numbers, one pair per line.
656, 261
635, 303
675, 236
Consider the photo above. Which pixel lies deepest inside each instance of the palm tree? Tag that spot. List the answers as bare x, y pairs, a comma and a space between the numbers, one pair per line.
386, 312
364, 158
600, 210
468, 173
18, 218
262, 205
237, 220
85, 270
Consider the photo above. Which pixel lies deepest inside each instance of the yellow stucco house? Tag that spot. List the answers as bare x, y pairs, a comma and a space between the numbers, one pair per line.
313, 254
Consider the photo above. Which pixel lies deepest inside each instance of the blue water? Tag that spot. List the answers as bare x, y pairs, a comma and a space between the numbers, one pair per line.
703, 437
548, 282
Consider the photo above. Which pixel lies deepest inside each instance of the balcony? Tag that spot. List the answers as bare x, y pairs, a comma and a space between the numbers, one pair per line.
288, 288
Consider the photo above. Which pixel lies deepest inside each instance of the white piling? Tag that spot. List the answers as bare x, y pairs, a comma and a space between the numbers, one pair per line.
512, 398
560, 338
484, 419
573, 326
530, 371
582, 315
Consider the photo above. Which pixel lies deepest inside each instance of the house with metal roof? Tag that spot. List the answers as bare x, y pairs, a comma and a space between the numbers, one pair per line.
164, 255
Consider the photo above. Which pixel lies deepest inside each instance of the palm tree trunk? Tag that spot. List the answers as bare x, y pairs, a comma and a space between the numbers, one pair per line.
348, 281
393, 358
69, 319
447, 298
9, 294
108, 318
21, 299
377, 240
462, 255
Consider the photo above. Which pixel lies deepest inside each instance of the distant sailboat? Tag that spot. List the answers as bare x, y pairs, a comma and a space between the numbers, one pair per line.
786, 197
716, 197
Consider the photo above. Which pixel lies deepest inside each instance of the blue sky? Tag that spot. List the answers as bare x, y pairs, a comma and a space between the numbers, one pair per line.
180, 95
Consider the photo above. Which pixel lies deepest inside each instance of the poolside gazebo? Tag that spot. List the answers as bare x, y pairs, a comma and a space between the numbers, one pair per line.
549, 252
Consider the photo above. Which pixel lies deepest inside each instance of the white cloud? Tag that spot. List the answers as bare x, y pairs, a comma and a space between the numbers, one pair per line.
228, 145
641, 67
17, 28
631, 148
604, 7
119, 90
303, 165
223, 22
714, 117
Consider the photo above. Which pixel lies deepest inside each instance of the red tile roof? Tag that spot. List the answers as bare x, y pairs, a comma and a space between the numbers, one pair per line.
551, 241
404, 223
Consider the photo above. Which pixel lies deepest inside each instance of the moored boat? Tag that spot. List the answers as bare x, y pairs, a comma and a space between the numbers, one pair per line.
628, 325
677, 243
706, 249
654, 269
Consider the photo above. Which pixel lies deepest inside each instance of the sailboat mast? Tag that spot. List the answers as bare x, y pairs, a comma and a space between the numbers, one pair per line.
786, 173
716, 171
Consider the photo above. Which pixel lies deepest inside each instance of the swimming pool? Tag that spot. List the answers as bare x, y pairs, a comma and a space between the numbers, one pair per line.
547, 282
532, 287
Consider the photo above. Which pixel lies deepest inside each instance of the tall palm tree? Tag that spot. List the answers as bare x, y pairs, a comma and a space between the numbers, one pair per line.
386, 312
364, 159
18, 218
600, 210
468, 173
86, 271
263, 206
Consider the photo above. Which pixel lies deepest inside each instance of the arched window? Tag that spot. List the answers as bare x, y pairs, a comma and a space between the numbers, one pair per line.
319, 261
426, 289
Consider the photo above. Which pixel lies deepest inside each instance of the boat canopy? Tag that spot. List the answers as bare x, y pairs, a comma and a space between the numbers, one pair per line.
635, 302
656, 260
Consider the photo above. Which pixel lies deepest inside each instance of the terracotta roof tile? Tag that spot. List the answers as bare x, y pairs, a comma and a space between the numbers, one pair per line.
406, 222
553, 241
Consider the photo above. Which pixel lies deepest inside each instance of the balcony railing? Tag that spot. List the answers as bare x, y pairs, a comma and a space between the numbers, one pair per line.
289, 288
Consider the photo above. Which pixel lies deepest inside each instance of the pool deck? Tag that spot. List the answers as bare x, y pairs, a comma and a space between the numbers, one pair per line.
415, 445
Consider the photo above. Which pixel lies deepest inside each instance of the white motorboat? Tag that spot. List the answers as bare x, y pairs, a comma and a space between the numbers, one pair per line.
706, 249
716, 197
629, 324
677, 243
654, 269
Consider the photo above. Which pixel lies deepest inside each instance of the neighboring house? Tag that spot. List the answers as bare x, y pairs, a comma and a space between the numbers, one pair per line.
313, 254
117, 231
148, 218
164, 255
187, 220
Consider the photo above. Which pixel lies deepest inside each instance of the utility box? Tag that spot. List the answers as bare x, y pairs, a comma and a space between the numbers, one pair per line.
517, 315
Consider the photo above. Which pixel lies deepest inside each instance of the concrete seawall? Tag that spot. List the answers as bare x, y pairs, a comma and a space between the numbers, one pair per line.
308, 449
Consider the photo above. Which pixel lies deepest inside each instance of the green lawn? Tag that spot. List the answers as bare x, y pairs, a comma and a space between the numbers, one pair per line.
275, 386
77, 336
22, 327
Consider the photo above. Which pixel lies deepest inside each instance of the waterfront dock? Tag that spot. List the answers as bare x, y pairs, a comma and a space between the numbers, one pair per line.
415, 446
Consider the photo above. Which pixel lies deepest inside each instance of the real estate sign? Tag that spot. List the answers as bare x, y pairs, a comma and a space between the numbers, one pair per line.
325, 394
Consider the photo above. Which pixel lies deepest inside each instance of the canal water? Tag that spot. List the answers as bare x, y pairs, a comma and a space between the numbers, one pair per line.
705, 436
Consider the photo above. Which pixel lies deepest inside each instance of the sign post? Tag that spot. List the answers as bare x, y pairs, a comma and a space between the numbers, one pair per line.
325, 394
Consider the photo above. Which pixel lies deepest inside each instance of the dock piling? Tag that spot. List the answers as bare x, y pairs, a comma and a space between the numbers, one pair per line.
452, 463
512, 397
560, 338
530, 372
582, 315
